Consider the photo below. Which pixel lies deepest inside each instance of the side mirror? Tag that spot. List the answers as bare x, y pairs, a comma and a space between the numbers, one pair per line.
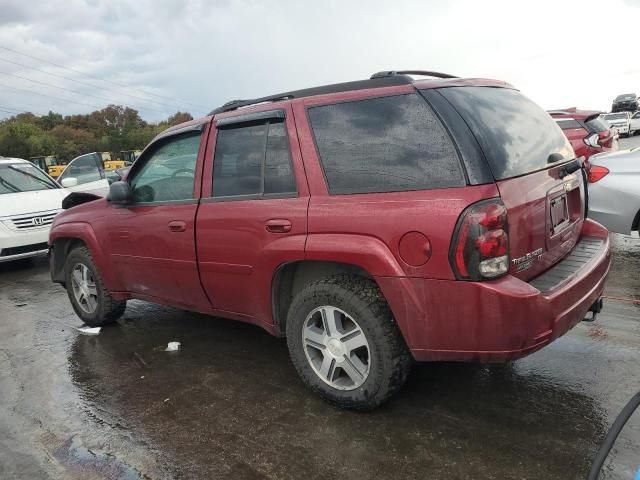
69, 182
119, 193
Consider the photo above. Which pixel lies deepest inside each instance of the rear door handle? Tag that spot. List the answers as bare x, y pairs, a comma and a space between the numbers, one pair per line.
278, 225
177, 226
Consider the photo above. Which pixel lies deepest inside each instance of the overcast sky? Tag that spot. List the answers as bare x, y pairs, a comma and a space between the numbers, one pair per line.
165, 55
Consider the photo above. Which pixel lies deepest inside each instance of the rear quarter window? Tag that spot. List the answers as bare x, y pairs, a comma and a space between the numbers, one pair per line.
516, 135
384, 144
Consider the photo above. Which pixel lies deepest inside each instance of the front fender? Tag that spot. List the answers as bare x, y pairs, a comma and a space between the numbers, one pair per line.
82, 231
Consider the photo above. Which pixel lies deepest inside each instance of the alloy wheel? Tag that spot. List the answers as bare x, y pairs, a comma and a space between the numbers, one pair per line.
84, 288
336, 348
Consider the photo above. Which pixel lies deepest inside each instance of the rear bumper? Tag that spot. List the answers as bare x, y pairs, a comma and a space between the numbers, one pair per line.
497, 320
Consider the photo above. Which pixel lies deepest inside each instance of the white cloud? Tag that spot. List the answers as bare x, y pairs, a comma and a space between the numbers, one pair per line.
560, 53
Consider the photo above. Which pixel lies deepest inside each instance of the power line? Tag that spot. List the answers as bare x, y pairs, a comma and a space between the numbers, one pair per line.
93, 85
50, 96
18, 111
76, 91
97, 78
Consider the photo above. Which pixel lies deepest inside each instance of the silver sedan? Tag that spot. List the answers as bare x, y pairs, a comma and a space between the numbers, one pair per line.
614, 190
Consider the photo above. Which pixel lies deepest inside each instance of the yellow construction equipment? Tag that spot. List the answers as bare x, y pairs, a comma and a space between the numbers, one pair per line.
109, 162
49, 164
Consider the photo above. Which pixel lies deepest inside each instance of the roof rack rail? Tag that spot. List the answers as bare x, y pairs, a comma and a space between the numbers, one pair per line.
426, 73
381, 81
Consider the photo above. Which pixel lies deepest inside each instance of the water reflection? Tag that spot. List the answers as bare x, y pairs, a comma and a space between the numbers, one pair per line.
230, 401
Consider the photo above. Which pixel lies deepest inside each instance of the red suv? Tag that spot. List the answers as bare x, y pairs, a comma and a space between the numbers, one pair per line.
372, 223
586, 130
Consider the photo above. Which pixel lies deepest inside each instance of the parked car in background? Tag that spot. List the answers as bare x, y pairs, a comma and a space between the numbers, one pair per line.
586, 130
620, 121
29, 200
627, 102
614, 190
85, 174
372, 223
634, 123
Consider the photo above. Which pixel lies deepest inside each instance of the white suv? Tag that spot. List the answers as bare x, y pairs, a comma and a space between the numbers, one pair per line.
621, 121
29, 199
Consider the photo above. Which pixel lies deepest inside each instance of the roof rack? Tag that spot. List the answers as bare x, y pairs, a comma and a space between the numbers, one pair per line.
380, 79
426, 73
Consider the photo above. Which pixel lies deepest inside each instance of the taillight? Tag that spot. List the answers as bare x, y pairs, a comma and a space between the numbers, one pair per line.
480, 247
592, 140
597, 173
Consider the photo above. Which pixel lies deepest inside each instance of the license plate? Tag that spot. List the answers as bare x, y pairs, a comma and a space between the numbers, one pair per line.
559, 213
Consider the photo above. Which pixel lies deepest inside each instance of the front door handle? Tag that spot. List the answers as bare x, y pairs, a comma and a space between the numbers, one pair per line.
177, 226
278, 225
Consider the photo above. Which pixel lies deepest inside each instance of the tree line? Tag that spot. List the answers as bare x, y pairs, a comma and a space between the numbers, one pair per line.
112, 129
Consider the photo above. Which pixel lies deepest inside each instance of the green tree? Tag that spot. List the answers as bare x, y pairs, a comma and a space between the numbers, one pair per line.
111, 129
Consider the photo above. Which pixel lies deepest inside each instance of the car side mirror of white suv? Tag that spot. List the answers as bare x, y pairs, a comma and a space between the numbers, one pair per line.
69, 182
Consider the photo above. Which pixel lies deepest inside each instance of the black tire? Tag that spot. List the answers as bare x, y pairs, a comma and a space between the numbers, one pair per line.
389, 358
107, 310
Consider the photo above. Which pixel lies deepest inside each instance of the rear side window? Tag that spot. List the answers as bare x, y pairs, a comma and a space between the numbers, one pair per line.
568, 123
253, 159
516, 135
385, 144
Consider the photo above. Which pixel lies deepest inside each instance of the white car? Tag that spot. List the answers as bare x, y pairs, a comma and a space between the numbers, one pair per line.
621, 121
614, 190
29, 199
635, 123
85, 174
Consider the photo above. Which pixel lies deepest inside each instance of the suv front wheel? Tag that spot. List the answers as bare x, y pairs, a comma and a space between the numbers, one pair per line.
344, 342
91, 301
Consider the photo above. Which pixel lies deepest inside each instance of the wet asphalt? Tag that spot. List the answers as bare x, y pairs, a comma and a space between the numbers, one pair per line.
229, 405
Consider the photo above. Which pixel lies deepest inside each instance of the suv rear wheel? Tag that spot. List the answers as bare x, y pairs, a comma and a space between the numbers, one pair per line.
90, 299
344, 342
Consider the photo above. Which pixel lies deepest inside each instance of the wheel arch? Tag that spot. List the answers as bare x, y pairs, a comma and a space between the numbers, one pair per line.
290, 278
61, 247
72, 234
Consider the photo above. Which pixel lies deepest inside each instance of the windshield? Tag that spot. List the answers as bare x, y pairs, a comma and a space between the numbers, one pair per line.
629, 96
615, 116
23, 177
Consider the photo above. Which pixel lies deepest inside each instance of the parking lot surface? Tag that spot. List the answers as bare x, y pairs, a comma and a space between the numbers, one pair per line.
229, 403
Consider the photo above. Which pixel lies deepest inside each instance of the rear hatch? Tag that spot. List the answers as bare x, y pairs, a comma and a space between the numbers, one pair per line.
597, 125
526, 152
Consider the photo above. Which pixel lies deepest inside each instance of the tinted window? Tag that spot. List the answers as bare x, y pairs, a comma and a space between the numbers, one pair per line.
278, 176
516, 135
597, 124
568, 123
168, 172
241, 152
385, 144
237, 165
85, 169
